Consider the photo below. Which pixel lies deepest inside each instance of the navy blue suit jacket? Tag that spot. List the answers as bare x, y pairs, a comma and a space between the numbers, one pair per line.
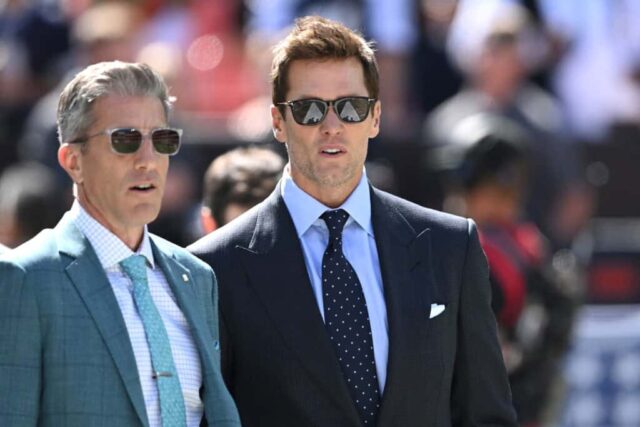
278, 361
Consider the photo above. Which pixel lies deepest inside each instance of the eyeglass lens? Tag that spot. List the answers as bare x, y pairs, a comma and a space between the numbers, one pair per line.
127, 141
313, 111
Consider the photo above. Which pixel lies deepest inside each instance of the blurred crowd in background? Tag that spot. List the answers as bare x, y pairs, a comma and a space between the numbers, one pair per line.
523, 115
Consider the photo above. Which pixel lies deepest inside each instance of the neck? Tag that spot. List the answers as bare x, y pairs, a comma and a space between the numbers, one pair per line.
130, 236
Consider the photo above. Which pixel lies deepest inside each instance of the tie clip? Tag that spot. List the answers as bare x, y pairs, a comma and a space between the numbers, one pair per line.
157, 374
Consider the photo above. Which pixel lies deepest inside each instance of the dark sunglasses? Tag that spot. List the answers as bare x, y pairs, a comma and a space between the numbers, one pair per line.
128, 140
310, 112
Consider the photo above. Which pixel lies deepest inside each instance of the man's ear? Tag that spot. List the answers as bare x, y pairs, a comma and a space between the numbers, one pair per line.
277, 123
207, 220
377, 112
69, 158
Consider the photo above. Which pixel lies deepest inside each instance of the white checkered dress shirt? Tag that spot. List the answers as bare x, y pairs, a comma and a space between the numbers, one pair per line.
111, 250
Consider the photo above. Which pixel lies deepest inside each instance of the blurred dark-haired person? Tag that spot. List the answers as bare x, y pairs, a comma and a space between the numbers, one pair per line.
498, 46
236, 181
30, 200
341, 304
534, 298
101, 322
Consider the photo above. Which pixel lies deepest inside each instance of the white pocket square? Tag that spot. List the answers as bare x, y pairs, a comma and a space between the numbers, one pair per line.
436, 309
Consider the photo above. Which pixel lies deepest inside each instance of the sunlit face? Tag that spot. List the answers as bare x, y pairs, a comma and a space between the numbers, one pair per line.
122, 192
326, 158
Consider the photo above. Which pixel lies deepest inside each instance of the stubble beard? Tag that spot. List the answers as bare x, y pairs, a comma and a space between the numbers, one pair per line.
330, 179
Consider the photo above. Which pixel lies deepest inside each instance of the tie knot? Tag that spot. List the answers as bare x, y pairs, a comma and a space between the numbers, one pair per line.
135, 267
335, 221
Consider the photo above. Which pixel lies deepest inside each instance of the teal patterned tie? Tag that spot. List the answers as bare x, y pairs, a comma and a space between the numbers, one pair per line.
172, 408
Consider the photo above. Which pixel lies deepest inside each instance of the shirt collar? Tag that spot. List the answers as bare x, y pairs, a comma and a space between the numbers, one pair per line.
305, 210
109, 248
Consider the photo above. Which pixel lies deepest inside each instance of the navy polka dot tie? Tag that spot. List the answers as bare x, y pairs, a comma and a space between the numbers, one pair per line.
347, 321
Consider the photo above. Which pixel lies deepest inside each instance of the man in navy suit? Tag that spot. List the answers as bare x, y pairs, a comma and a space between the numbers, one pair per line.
102, 323
342, 305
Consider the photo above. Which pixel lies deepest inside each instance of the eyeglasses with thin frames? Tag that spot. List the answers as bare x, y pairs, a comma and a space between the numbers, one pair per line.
165, 141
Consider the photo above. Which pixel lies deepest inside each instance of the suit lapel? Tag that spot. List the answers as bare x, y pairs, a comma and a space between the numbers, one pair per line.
87, 276
405, 259
182, 282
275, 264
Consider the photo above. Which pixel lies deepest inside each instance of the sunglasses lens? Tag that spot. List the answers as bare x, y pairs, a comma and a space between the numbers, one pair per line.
352, 110
126, 141
308, 111
166, 141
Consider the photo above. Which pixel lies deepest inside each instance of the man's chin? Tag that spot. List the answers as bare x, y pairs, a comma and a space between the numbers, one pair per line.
337, 179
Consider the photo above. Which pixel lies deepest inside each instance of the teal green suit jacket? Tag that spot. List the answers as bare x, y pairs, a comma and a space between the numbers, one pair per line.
65, 354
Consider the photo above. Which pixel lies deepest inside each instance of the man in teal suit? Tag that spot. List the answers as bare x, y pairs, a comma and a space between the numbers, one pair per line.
102, 323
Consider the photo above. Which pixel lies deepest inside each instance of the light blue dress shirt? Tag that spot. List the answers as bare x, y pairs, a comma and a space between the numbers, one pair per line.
358, 245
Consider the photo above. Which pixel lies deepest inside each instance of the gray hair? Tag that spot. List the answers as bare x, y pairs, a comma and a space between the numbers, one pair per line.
75, 115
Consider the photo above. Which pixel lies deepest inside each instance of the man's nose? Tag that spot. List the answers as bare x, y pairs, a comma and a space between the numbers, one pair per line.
146, 154
331, 123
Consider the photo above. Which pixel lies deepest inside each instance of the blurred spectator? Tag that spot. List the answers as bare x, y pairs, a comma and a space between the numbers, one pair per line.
33, 39
391, 24
534, 298
434, 78
236, 181
598, 76
497, 47
30, 201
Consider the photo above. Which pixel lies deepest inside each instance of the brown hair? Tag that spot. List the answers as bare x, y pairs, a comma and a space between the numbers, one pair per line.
314, 37
243, 176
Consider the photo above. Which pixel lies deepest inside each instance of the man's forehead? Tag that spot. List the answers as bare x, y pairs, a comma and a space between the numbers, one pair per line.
120, 111
326, 77
122, 98
114, 104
